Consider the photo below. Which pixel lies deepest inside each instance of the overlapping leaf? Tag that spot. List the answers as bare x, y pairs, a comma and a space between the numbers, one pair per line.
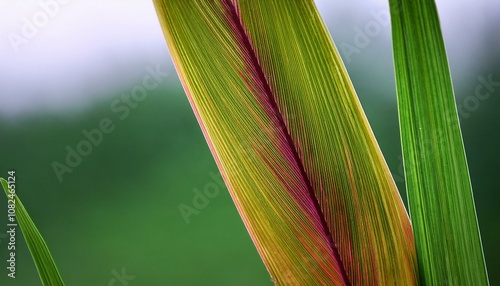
47, 269
439, 191
291, 140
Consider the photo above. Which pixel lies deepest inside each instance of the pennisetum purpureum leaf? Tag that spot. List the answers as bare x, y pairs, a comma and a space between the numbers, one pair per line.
439, 191
47, 269
291, 140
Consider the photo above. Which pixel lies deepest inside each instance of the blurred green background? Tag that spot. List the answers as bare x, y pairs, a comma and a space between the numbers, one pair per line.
118, 210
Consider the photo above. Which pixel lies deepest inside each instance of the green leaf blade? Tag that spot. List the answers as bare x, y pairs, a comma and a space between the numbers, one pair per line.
288, 133
440, 196
45, 264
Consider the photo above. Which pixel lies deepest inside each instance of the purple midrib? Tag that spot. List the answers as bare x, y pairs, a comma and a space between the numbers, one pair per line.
236, 21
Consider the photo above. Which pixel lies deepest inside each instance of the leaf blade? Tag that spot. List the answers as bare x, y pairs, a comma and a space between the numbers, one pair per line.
439, 191
254, 90
44, 262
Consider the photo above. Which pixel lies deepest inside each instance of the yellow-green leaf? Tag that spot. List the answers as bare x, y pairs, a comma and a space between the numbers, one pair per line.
290, 137
47, 269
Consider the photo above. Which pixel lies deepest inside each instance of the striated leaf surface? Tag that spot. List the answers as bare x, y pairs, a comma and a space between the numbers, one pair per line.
437, 178
289, 135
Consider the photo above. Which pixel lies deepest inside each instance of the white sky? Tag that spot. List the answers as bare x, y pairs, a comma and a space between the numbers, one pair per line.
85, 50
88, 48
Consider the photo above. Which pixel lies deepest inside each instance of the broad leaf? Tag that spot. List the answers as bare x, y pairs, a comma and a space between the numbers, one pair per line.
47, 269
289, 135
439, 191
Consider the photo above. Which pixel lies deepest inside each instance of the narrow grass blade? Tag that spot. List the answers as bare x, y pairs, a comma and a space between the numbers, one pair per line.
47, 269
440, 196
289, 135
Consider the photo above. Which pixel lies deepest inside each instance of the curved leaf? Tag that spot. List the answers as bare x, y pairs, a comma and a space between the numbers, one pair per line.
289, 135
47, 269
